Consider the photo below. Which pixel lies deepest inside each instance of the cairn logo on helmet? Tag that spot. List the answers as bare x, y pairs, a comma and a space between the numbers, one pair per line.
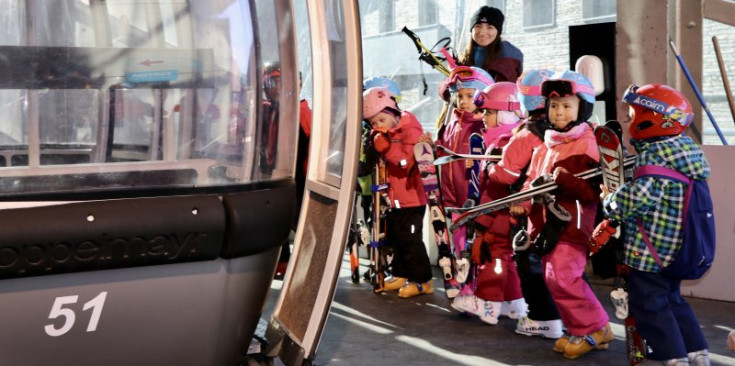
649, 103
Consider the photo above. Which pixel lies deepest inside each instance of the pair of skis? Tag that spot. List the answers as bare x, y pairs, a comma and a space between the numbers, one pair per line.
465, 268
468, 214
453, 156
425, 162
381, 206
613, 177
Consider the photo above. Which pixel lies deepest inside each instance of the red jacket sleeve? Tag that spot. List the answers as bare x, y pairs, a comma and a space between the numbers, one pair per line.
516, 157
403, 138
574, 188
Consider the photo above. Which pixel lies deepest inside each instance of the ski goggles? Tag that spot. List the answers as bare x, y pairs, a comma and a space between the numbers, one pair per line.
466, 74
632, 97
530, 90
482, 101
563, 88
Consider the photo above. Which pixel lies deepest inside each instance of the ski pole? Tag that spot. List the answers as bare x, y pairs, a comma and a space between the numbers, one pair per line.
425, 54
696, 91
725, 80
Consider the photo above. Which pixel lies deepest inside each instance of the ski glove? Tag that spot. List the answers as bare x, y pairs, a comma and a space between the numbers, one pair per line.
601, 235
381, 142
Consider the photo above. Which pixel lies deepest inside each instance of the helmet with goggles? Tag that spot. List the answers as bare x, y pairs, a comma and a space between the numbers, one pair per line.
465, 77
657, 110
529, 89
502, 97
566, 83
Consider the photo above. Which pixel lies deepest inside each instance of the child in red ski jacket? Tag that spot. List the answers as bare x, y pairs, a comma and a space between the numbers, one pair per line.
496, 282
394, 135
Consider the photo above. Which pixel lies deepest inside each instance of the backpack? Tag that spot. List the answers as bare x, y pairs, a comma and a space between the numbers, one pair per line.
698, 247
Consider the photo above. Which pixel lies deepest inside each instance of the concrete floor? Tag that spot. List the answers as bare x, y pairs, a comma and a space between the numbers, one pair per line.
364, 328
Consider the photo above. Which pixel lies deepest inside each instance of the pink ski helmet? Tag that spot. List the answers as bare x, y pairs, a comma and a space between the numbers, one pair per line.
375, 100
501, 97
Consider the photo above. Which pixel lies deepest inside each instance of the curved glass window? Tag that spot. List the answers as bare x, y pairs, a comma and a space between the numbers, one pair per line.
115, 95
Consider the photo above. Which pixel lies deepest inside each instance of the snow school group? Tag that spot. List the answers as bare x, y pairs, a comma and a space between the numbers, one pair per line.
526, 259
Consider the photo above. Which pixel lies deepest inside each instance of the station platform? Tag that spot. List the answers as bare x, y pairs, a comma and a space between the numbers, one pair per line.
364, 328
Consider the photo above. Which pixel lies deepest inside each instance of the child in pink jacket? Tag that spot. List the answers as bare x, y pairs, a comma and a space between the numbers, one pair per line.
542, 318
462, 83
560, 224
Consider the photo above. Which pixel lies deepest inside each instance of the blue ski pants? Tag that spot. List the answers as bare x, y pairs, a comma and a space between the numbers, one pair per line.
664, 319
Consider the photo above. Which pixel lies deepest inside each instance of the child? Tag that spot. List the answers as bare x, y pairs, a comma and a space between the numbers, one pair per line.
658, 116
394, 135
542, 319
497, 280
485, 48
561, 226
462, 83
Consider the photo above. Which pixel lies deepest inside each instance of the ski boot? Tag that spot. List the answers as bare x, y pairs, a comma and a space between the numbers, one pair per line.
467, 304
551, 329
394, 283
487, 311
619, 298
514, 309
490, 312
673, 362
411, 289
699, 358
577, 346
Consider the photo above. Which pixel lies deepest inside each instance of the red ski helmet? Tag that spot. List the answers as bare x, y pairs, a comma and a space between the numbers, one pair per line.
657, 110
375, 100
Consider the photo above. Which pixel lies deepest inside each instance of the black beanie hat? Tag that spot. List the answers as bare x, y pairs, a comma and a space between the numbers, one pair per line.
489, 15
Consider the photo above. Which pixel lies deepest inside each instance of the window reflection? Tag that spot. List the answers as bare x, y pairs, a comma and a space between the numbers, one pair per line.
171, 84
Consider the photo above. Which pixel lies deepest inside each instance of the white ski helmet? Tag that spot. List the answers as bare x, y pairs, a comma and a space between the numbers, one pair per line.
529, 89
501, 97
375, 100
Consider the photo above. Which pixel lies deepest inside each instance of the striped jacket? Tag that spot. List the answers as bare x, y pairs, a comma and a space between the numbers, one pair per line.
657, 202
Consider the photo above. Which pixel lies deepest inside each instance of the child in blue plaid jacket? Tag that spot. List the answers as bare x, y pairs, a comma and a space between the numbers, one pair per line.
659, 114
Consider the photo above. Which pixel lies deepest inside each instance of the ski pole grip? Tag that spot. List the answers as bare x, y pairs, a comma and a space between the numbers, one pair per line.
414, 38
